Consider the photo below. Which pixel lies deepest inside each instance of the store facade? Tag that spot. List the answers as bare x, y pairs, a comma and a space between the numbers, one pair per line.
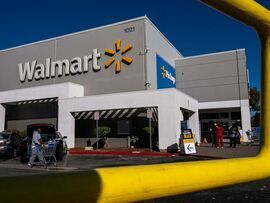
120, 70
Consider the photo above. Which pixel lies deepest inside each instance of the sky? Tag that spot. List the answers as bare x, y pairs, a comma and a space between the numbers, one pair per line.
192, 27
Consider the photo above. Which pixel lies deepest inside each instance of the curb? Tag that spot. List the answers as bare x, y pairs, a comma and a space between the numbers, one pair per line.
135, 153
203, 156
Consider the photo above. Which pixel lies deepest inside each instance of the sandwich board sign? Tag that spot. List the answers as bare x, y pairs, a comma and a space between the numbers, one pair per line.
188, 144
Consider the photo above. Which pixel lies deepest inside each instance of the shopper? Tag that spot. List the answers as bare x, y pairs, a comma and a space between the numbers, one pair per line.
212, 132
219, 135
234, 134
36, 148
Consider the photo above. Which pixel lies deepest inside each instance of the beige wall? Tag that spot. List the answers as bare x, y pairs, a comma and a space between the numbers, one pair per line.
214, 77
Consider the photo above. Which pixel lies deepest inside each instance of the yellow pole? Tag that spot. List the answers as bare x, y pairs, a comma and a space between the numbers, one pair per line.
135, 183
258, 17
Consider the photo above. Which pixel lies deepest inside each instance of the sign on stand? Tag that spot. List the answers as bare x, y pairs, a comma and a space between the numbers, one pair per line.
96, 117
149, 115
188, 142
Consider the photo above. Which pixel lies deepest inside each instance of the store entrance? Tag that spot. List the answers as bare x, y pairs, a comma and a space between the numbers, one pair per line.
118, 128
226, 117
20, 114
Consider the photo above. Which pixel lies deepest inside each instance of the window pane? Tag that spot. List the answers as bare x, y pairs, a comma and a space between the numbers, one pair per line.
235, 115
224, 115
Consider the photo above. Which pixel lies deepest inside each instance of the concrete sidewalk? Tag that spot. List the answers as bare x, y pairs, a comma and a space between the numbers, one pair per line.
242, 150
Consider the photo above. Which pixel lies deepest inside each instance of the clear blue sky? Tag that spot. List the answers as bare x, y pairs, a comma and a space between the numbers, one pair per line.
191, 26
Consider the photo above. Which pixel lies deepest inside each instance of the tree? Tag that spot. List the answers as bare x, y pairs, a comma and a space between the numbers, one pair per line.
255, 119
254, 101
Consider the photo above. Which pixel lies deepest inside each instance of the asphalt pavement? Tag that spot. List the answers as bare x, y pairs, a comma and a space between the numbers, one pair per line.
10, 167
258, 191
241, 150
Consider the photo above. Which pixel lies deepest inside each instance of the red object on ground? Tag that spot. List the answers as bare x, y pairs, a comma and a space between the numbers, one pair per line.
128, 152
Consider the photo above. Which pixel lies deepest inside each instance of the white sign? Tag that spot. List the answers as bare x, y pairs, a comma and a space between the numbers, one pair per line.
149, 113
96, 115
189, 146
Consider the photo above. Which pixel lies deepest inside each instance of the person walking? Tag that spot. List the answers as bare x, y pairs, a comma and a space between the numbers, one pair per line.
212, 132
234, 134
36, 148
219, 135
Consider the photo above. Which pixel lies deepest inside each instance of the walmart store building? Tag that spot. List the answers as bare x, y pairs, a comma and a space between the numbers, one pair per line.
120, 71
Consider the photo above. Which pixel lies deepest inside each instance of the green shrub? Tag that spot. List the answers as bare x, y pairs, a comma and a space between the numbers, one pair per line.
147, 130
103, 131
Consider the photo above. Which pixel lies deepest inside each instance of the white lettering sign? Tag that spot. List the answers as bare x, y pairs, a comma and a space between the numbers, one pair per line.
166, 74
33, 70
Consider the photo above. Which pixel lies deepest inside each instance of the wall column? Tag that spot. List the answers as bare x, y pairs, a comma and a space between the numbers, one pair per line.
66, 124
194, 125
245, 118
169, 118
2, 117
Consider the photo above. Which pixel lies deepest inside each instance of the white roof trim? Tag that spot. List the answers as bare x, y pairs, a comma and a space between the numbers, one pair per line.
212, 54
219, 104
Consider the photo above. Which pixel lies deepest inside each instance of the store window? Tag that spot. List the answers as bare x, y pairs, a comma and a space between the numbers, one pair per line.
214, 115
209, 116
235, 115
223, 115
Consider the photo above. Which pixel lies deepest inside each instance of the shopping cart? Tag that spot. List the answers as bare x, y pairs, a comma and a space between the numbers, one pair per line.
49, 153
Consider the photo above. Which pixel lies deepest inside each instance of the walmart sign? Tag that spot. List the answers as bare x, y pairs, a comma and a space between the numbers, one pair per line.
165, 74
77, 65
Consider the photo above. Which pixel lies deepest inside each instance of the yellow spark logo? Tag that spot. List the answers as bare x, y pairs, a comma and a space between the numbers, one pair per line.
163, 72
124, 59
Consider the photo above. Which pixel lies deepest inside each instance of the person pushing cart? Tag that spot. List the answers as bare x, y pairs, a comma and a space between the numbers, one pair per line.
36, 149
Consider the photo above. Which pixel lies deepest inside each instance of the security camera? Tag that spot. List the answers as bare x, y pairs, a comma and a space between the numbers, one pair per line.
144, 52
148, 84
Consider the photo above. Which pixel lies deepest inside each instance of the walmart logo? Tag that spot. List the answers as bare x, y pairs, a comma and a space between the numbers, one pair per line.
77, 65
166, 74
124, 59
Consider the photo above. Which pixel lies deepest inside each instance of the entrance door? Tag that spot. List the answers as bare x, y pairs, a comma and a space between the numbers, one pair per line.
124, 126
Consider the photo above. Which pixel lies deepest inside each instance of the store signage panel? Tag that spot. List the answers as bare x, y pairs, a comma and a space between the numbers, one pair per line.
165, 74
33, 70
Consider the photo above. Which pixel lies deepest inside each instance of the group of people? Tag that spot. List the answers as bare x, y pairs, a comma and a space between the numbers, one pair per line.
217, 133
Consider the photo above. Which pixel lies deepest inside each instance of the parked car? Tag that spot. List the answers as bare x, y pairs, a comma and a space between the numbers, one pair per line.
48, 133
9, 144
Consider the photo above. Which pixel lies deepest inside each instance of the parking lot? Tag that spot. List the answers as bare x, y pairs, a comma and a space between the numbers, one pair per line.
249, 192
13, 167
73, 162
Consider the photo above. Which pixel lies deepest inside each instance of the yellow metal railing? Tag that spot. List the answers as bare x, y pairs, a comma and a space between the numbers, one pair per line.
134, 183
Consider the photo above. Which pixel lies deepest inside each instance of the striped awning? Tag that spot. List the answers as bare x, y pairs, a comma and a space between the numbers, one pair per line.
33, 101
116, 113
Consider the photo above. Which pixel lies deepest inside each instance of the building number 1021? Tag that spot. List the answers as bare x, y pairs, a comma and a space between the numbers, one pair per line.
129, 29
